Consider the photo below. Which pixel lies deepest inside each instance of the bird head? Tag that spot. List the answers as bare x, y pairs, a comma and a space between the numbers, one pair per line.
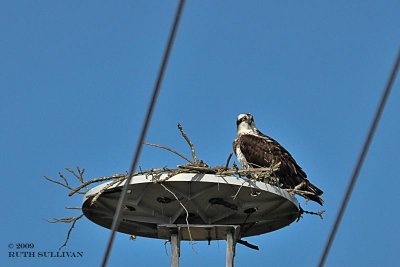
245, 123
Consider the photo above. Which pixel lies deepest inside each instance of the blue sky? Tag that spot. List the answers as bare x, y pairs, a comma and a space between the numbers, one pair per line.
76, 77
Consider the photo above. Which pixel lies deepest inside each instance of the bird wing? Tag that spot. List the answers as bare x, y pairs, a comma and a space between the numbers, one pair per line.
265, 151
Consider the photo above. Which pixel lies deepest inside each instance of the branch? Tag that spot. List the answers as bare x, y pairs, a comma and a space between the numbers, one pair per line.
120, 180
227, 161
78, 176
63, 177
187, 213
234, 197
72, 220
96, 180
195, 159
57, 182
170, 150
221, 170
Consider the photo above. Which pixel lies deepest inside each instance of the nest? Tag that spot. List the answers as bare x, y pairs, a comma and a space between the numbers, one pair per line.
160, 175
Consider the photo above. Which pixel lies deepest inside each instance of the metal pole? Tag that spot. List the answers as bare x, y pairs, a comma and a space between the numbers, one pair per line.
175, 249
230, 249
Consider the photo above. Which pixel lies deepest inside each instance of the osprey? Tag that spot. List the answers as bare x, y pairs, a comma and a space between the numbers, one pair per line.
257, 150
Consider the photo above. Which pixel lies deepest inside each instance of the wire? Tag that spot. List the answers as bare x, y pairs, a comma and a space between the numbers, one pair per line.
361, 159
156, 90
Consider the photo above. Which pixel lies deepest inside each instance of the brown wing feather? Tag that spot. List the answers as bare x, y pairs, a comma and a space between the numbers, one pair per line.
260, 152
264, 152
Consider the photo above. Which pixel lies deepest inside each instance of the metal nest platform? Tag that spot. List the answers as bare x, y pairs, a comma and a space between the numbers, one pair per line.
215, 205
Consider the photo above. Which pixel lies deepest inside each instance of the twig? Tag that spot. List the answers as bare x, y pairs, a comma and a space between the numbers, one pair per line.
252, 173
78, 176
72, 220
227, 161
195, 159
234, 197
170, 150
73, 208
121, 177
187, 213
70, 231
63, 220
63, 177
66, 185
221, 170
56, 182
81, 172
96, 180
98, 194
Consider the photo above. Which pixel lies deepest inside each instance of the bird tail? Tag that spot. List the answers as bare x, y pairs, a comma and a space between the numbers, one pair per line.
314, 189
316, 193
315, 198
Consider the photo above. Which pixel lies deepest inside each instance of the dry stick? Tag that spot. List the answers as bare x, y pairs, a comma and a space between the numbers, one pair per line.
221, 170
63, 220
72, 220
195, 159
116, 176
123, 178
170, 150
199, 169
96, 180
185, 168
81, 172
63, 177
227, 161
59, 183
234, 197
98, 194
170, 174
79, 177
187, 213
70, 231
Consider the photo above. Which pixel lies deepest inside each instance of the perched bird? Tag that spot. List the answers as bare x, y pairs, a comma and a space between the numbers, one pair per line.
257, 150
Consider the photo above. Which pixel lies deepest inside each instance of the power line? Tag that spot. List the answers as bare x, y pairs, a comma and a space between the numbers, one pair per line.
156, 90
361, 159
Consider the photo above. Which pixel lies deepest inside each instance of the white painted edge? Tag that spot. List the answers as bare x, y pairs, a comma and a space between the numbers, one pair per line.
200, 178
